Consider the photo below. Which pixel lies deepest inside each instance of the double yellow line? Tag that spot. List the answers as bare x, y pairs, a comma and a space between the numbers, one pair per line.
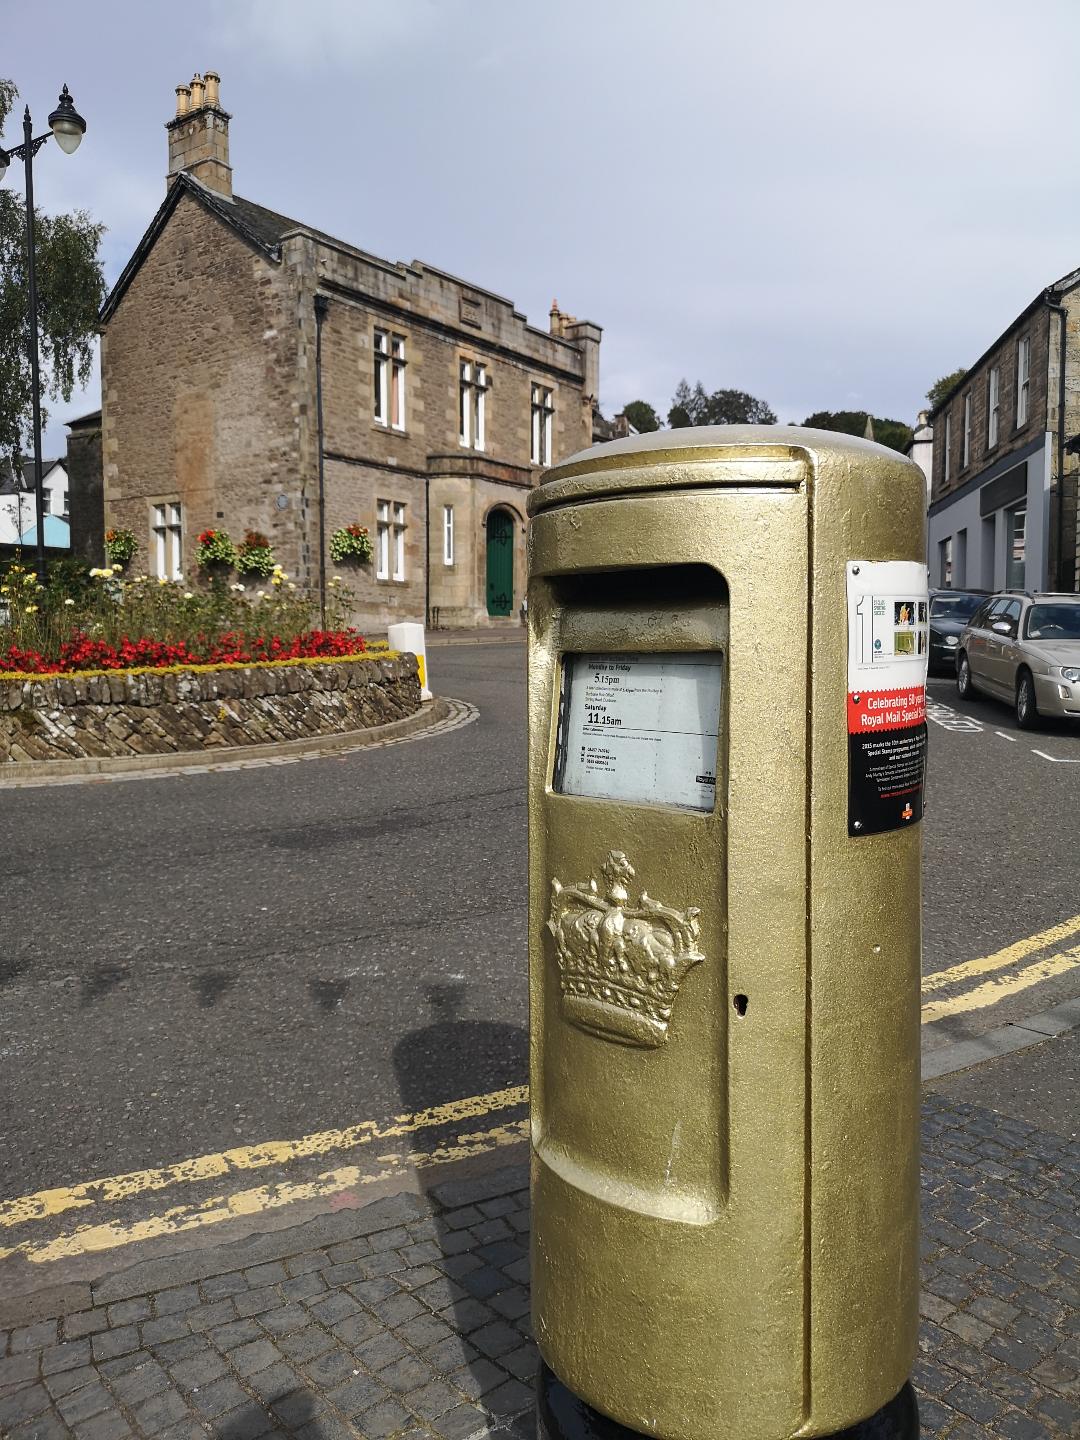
1001, 986
181, 1218
996, 979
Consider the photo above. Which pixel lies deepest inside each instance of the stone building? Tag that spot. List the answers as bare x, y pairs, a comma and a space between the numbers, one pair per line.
85, 504
1003, 494
440, 405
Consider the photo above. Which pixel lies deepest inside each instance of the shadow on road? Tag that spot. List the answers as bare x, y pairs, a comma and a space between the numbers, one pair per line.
451, 1058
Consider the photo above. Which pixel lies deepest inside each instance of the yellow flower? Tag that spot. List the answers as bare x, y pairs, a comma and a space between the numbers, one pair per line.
292, 585
162, 580
31, 609
117, 568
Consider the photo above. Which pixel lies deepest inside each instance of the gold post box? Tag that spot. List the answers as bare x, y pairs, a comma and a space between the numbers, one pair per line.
727, 661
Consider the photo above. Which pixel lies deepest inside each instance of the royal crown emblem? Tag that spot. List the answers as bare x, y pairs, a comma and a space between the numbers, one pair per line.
620, 965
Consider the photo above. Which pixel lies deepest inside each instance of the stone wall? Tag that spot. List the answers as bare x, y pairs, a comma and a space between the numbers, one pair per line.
1042, 399
200, 404
65, 717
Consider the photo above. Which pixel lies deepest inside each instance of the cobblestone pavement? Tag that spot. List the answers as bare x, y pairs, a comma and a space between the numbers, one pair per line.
410, 1316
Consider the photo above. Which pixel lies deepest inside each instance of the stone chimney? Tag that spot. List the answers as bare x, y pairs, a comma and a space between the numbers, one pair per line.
586, 336
199, 135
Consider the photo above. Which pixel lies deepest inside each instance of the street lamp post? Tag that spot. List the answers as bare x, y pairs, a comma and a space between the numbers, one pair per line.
67, 127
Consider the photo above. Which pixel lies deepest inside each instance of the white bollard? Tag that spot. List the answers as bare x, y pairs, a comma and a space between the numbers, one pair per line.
410, 636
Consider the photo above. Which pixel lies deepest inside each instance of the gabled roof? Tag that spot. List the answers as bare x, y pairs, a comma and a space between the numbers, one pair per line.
1052, 294
12, 483
258, 227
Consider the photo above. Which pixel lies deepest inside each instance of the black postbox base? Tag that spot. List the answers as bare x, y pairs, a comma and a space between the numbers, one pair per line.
561, 1415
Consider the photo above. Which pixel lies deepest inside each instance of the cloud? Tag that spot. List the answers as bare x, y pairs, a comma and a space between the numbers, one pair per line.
337, 34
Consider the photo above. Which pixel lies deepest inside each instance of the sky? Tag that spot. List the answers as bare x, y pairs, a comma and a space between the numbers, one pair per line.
828, 204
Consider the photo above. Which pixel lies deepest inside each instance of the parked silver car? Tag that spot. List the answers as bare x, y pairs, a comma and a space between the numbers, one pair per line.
1025, 650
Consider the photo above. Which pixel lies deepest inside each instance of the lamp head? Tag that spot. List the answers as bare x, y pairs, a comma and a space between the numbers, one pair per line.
67, 125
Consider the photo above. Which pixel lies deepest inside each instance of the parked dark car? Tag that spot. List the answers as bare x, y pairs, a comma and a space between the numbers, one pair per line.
950, 610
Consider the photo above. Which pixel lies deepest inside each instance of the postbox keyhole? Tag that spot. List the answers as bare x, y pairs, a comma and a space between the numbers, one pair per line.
741, 1004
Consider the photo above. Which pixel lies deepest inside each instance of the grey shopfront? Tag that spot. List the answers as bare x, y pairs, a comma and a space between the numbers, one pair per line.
993, 533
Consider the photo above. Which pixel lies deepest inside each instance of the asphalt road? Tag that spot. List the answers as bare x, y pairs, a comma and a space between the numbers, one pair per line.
189, 964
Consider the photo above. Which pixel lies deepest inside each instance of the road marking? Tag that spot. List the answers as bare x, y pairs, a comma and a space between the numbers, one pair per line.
1057, 759
950, 719
183, 1218
991, 992
253, 1157
1018, 950
1006, 736
177, 1219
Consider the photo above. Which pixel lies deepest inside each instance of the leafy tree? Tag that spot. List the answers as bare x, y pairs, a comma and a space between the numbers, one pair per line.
71, 288
941, 388
642, 416
722, 407
688, 406
893, 433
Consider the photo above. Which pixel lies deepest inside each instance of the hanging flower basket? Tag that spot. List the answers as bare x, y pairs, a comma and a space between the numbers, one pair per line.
254, 556
120, 546
215, 551
351, 543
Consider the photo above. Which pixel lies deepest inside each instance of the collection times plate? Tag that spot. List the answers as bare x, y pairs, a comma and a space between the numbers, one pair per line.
640, 728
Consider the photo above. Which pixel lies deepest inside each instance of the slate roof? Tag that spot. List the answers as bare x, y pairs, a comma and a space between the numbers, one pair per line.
10, 485
1052, 294
260, 228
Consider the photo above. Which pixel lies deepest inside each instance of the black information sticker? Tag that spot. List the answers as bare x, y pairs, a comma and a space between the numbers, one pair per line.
888, 613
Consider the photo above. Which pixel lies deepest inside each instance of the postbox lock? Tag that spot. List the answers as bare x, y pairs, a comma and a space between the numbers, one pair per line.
620, 965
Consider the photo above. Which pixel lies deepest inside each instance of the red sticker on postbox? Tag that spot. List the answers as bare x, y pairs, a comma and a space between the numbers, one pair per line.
888, 633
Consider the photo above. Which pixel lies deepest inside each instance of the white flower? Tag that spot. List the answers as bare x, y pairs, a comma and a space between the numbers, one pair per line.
188, 595
117, 568
69, 602
292, 585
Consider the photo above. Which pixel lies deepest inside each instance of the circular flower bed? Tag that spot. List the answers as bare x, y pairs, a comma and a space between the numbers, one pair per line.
120, 624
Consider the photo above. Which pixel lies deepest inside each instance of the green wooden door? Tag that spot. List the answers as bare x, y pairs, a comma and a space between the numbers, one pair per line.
500, 563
